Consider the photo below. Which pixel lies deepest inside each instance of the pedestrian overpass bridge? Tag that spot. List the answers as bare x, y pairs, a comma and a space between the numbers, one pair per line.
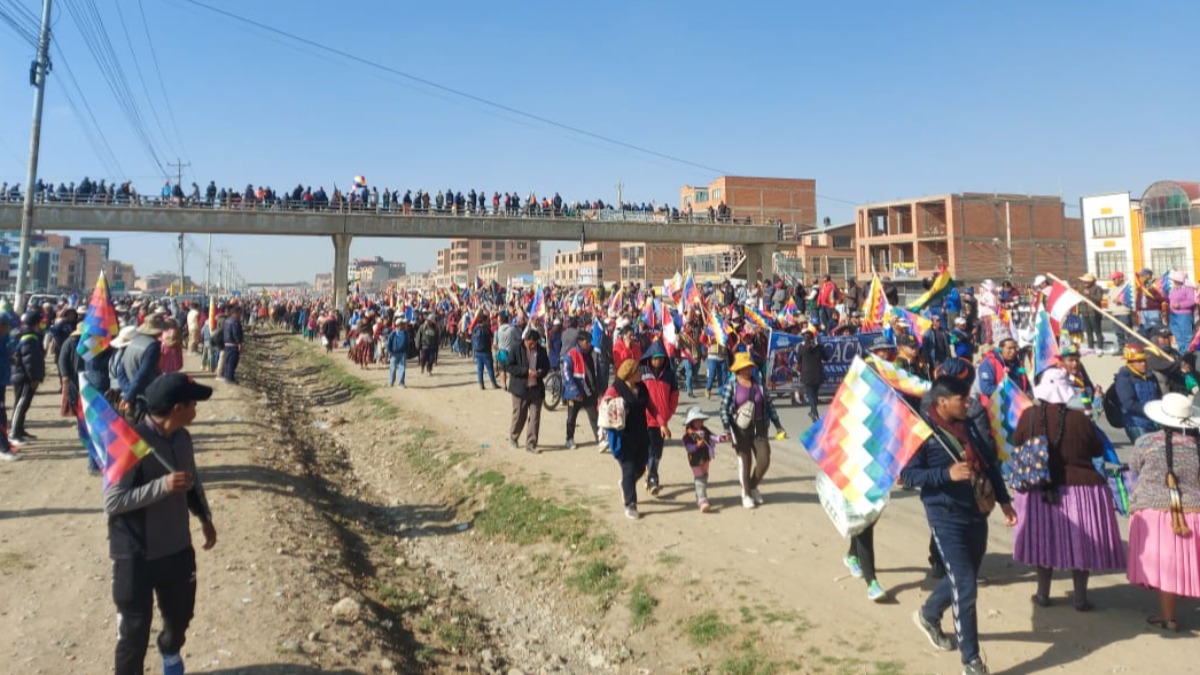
342, 225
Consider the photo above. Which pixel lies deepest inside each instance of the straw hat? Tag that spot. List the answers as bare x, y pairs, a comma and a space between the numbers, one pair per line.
1175, 411
153, 325
1088, 278
694, 413
124, 337
741, 361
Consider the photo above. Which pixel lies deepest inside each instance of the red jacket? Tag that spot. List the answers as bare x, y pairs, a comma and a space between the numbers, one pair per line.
622, 353
664, 395
827, 294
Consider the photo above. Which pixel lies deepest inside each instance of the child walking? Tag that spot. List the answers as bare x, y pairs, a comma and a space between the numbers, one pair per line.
700, 444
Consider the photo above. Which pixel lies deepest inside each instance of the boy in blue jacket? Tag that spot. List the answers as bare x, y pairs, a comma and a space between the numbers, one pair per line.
945, 468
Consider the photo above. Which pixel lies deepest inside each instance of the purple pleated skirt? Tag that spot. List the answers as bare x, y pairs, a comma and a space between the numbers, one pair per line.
1161, 559
1078, 533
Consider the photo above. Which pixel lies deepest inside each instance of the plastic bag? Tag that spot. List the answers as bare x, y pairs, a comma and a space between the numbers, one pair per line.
846, 519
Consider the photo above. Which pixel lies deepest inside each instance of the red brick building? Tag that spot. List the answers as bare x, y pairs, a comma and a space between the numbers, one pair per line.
976, 235
792, 201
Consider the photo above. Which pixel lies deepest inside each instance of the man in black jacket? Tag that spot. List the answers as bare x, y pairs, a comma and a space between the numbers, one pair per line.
149, 540
528, 365
233, 337
29, 370
812, 370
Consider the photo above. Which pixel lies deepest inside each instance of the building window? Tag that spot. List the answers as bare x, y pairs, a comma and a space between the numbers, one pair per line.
1169, 204
716, 194
1113, 226
486, 244
702, 195
1108, 262
843, 242
1163, 260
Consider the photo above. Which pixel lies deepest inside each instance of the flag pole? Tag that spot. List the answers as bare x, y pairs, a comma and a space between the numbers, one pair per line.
1120, 324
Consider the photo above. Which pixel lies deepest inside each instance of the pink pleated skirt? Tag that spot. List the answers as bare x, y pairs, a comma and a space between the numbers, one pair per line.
1161, 559
1080, 532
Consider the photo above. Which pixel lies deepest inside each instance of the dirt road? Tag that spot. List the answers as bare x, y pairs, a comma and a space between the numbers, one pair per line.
459, 553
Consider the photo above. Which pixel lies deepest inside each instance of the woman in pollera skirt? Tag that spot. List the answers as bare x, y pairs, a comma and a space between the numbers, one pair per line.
1164, 521
1072, 523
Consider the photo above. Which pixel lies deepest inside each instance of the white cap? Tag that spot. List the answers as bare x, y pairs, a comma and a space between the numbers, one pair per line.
1039, 280
960, 321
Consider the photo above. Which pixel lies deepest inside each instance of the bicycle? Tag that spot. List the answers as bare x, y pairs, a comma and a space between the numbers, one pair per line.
554, 390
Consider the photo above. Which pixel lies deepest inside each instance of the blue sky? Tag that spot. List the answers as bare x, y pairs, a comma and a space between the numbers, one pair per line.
875, 100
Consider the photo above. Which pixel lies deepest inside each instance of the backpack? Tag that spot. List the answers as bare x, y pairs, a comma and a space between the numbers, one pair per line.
571, 389
612, 414
411, 350
1112, 407
1030, 463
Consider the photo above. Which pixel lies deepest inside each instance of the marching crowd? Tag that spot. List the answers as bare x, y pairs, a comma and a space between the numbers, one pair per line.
624, 356
622, 359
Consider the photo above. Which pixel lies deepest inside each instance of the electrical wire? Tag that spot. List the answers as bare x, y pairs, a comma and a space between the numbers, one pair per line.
456, 92
137, 68
495, 106
20, 27
161, 84
91, 27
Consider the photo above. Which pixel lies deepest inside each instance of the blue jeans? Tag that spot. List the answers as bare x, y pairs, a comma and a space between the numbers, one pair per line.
962, 541
1150, 317
396, 366
1181, 328
1122, 336
717, 369
482, 362
689, 374
1134, 432
232, 356
812, 392
656, 452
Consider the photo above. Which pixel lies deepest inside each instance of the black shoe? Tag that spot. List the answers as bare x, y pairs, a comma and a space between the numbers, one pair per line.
482, 388
25, 437
934, 634
975, 667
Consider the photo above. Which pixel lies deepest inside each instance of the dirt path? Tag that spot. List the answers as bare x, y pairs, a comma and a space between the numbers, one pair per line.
462, 554
265, 592
774, 575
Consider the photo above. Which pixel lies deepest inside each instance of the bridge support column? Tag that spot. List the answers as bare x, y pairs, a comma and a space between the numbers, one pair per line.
341, 270
759, 257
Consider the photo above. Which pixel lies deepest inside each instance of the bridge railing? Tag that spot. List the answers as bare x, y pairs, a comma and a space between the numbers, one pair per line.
238, 202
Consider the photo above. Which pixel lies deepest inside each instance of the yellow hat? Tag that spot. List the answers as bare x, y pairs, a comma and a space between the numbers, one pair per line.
626, 369
742, 360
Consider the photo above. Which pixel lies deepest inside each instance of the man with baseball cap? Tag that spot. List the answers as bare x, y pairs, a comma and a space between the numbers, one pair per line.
149, 539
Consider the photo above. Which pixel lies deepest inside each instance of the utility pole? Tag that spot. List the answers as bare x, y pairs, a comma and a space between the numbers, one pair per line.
208, 269
179, 166
1008, 263
620, 191
181, 291
37, 78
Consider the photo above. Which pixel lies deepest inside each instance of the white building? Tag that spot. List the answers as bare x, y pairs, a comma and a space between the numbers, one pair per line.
1160, 231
